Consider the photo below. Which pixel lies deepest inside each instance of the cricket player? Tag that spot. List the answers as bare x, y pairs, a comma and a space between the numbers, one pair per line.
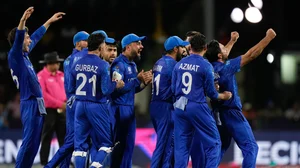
93, 83
105, 54
234, 124
161, 106
192, 80
197, 153
64, 153
122, 106
32, 103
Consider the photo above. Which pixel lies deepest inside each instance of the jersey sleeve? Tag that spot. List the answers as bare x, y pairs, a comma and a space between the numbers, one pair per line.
72, 81
37, 36
107, 85
174, 78
209, 82
233, 66
129, 85
17, 48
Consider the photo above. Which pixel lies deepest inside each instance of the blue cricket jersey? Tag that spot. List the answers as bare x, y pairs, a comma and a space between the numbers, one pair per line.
20, 66
128, 70
193, 78
162, 79
75, 56
91, 76
225, 76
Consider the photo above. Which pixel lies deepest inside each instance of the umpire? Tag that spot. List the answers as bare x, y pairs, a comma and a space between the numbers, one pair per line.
52, 84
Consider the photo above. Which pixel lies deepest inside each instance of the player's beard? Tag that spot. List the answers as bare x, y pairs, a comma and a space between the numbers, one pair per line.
178, 56
135, 56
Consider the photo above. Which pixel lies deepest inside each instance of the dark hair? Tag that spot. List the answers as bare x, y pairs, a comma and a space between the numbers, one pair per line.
198, 42
213, 49
94, 41
191, 33
170, 51
12, 35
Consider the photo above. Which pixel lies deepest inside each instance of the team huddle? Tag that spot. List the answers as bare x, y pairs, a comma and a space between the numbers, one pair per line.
100, 90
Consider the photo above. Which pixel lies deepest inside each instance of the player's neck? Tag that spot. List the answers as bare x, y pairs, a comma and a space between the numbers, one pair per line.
78, 48
221, 60
198, 53
95, 52
172, 56
127, 55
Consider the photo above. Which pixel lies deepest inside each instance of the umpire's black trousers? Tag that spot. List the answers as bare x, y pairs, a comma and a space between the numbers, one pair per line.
54, 122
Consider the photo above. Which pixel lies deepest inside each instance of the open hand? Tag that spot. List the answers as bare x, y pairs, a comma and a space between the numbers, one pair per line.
27, 13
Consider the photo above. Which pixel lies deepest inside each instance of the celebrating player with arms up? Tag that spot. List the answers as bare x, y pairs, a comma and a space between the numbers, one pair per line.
234, 124
32, 104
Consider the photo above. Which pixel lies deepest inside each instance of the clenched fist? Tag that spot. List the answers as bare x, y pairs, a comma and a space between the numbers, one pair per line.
234, 36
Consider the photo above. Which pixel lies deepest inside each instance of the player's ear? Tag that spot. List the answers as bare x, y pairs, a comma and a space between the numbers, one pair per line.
219, 56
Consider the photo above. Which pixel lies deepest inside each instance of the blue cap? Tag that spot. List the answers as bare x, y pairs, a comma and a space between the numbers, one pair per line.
130, 38
82, 35
174, 41
107, 39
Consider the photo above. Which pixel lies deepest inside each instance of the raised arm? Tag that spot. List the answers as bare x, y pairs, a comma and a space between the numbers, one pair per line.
39, 33
24, 18
57, 16
256, 50
233, 40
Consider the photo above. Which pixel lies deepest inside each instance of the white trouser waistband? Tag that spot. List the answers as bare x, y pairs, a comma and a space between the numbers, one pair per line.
80, 153
106, 149
96, 164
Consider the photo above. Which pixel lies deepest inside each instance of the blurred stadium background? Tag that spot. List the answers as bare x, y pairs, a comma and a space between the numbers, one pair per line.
269, 86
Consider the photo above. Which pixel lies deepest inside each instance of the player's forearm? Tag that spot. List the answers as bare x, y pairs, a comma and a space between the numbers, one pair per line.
107, 90
129, 86
47, 24
255, 51
21, 25
141, 87
229, 46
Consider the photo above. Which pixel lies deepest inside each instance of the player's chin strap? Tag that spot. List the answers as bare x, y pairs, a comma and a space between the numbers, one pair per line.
79, 153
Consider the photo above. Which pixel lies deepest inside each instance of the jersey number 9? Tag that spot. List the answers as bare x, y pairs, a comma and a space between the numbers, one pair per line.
187, 83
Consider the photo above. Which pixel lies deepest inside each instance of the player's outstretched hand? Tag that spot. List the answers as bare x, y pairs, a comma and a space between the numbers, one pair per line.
57, 16
234, 36
271, 33
27, 13
120, 84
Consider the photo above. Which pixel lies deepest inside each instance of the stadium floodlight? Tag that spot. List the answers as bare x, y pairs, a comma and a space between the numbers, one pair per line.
257, 3
253, 15
237, 15
270, 58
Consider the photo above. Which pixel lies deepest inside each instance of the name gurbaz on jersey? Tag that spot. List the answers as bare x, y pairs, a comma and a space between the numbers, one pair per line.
87, 68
